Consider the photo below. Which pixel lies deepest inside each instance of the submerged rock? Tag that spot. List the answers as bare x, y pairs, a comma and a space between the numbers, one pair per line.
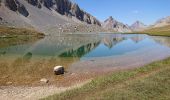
58, 70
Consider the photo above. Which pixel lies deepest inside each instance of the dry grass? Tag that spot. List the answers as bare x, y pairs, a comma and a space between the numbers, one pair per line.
13, 32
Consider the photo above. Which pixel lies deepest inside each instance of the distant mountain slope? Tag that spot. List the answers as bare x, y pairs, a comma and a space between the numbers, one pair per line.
138, 26
162, 22
43, 14
112, 24
161, 27
161, 31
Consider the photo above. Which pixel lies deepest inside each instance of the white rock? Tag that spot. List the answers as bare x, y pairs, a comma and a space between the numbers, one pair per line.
44, 80
58, 70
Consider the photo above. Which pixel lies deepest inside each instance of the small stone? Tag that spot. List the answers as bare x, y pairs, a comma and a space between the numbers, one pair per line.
73, 74
44, 80
58, 70
9, 83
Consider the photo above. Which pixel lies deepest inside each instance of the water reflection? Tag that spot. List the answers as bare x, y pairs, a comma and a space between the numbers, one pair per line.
162, 40
81, 51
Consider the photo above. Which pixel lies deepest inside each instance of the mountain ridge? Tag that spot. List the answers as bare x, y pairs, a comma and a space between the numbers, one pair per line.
62, 16
112, 24
43, 14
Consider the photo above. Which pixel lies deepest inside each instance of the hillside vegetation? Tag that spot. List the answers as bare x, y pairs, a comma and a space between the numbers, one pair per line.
13, 32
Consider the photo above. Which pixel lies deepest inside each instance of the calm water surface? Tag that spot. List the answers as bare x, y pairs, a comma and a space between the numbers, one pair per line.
30, 61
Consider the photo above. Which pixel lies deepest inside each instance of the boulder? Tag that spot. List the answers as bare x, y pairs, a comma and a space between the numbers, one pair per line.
58, 70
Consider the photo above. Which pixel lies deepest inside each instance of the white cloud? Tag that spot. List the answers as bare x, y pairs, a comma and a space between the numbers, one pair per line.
135, 11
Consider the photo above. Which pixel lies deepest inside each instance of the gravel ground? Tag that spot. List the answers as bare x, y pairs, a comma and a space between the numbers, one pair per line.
32, 93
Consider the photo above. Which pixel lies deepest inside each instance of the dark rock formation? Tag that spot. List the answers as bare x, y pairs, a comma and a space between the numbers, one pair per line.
11, 4
75, 11
0, 18
35, 3
0, 2
14, 5
23, 11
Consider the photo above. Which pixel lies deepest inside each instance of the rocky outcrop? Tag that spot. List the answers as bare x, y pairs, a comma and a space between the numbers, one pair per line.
113, 25
14, 5
35, 3
66, 7
0, 2
138, 26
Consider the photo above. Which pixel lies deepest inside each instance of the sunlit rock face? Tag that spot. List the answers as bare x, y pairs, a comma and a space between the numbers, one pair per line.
138, 26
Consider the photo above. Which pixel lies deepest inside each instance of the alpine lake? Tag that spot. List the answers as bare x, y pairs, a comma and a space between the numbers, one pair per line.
82, 55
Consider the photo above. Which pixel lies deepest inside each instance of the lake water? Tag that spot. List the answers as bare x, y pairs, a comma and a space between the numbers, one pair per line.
26, 62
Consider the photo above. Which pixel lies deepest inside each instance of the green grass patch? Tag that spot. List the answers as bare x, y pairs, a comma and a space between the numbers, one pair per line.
148, 82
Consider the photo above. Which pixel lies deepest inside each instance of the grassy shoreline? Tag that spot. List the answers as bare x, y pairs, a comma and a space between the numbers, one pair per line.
12, 36
11, 32
157, 31
147, 82
151, 34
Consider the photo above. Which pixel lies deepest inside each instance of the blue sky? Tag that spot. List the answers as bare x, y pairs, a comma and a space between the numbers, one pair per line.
127, 11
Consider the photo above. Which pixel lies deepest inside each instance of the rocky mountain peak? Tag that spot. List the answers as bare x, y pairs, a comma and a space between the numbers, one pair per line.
110, 18
112, 24
138, 26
